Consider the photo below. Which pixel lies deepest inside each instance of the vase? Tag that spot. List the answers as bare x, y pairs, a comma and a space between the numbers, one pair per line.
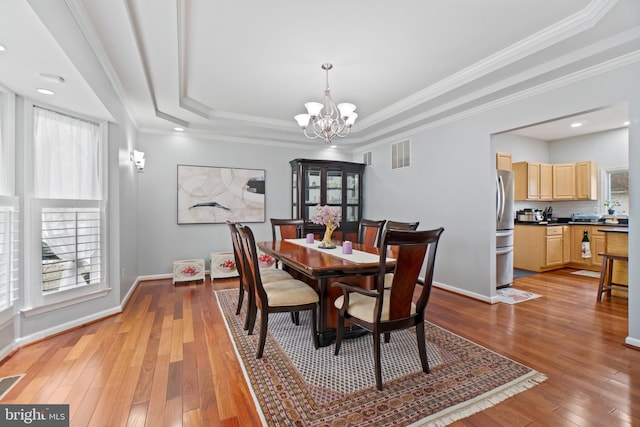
612, 211
326, 242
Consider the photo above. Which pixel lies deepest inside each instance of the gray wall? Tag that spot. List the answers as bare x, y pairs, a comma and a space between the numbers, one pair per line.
451, 181
161, 240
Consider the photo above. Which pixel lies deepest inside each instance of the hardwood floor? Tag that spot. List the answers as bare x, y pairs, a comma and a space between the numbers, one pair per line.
167, 359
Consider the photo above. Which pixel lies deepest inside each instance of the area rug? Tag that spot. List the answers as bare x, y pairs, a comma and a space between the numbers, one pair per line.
514, 296
587, 273
295, 384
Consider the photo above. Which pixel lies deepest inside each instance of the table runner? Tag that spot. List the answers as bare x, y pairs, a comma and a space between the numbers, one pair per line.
359, 257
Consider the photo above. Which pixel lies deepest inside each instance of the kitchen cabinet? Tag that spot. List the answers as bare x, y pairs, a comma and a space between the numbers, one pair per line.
327, 182
596, 245
546, 181
587, 180
503, 160
564, 181
532, 181
539, 248
566, 246
526, 185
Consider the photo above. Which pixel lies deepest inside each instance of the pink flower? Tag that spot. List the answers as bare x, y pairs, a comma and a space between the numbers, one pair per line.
326, 214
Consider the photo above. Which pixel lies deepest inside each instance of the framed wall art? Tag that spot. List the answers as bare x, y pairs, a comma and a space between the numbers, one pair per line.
213, 195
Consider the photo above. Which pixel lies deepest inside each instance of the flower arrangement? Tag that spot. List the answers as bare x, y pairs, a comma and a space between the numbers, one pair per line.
330, 218
327, 215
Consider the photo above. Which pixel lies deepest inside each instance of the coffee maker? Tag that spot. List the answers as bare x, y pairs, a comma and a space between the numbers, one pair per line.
547, 214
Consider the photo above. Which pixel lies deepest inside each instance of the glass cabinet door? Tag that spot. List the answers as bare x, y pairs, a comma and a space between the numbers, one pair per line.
334, 187
314, 185
294, 196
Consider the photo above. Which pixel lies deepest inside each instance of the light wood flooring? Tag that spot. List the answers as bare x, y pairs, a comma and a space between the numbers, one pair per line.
167, 359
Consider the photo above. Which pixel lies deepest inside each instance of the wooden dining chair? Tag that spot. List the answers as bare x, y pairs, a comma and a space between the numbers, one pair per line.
369, 232
287, 228
290, 295
383, 310
245, 285
397, 225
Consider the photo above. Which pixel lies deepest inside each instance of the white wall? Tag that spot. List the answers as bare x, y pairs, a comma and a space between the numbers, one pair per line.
161, 240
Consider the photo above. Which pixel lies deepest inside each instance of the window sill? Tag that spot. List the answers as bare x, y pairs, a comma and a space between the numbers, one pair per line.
47, 307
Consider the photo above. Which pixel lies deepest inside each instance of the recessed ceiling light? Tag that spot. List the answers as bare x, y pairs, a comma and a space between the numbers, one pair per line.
178, 129
626, 123
52, 78
46, 91
2, 48
576, 125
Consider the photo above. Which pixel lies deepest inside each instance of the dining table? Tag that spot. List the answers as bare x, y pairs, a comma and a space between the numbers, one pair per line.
320, 267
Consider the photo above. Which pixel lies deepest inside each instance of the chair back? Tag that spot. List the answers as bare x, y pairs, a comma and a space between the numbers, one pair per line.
252, 268
397, 225
370, 231
238, 254
289, 228
413, 248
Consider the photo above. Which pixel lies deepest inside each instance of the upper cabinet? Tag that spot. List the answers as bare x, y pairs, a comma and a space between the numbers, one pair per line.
503, 160
327, 182
533, 181
587, 181
562, 181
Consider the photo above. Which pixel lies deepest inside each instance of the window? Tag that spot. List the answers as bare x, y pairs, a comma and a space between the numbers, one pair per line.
9, 240
68, 207
617, 188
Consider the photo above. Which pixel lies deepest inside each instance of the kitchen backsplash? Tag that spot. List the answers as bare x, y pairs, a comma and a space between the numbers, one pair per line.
566, 209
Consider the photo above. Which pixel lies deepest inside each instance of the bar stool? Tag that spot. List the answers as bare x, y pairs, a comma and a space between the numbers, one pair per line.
606, 274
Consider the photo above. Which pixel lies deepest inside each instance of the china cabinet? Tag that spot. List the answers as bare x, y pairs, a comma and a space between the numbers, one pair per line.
327, 182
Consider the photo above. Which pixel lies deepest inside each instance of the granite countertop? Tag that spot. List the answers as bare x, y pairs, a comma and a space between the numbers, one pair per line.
553, 224
623, 229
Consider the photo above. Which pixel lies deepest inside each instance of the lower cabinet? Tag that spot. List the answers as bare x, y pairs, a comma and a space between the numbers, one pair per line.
539, 248
596, 245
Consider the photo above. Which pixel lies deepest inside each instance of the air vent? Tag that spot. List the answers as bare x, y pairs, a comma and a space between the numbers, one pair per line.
366, 158
401, 154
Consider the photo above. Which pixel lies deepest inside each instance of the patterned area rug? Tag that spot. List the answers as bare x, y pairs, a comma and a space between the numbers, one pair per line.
295, 384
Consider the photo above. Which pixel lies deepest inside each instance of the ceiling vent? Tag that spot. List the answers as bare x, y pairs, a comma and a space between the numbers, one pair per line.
401, 154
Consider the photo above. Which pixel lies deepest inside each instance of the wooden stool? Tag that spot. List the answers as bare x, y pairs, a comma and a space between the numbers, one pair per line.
606, 274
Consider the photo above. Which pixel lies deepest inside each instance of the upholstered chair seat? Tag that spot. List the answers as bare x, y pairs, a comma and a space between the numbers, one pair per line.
289, 292
269, 275
363, 307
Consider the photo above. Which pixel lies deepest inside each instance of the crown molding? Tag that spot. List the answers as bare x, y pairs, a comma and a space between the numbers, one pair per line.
560, 31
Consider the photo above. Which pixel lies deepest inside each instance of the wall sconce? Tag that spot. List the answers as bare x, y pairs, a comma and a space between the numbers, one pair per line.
137, 157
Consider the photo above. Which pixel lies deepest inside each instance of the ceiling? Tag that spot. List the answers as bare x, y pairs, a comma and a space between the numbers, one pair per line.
241, 70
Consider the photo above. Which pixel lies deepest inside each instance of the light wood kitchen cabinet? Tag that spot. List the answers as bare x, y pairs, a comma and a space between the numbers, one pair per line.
533, 181
596, 245
546, 181
503, 160
566, 247
564, 181
587, 180
526, 181
553, 246
538, 248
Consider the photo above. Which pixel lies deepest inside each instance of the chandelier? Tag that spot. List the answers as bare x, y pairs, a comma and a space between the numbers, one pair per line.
327, 121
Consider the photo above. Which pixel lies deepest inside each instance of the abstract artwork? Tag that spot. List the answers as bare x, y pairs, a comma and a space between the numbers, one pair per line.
212, 195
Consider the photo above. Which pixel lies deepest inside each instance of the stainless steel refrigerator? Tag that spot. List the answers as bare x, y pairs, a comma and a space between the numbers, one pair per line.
504, 228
